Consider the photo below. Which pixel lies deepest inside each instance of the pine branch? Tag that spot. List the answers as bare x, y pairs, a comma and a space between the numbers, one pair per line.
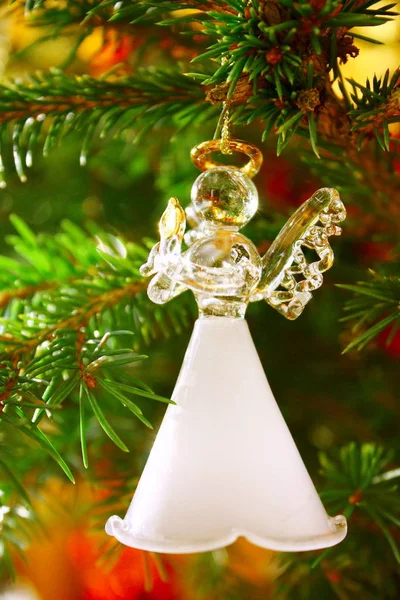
281, 56
358, 481
274, 65
78, 20
62, 340
73, 306
374, 308
278, 56
360, 486
376, 106
106, 11
50, 106
43, 12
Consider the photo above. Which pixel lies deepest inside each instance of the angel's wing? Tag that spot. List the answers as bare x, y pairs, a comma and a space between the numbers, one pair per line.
288, 279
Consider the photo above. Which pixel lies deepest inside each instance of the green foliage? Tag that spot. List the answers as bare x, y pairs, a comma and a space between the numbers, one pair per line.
359, 480
49, 106
376, 106
17, 526
78, 19
57, 328
60, 300
70, 12
18, 521
284, 53
374, 308
359, 485
267, 47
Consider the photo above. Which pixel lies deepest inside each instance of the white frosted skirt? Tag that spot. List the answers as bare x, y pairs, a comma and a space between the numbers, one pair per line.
224, 463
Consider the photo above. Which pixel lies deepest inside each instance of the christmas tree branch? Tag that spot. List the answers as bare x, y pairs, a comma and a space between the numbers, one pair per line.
105, 11
70, 12
375, 307
78, 20
93, 106
62, 338
357, 480
272, 43
358, 485
73, 306
274, 65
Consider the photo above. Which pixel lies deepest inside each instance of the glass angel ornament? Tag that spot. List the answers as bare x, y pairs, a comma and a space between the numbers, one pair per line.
224, 463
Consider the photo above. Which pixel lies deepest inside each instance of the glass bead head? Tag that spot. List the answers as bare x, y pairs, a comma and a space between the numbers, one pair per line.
224, 196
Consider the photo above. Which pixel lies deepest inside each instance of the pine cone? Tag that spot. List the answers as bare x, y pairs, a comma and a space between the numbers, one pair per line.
308, 100
243, 91
272, 12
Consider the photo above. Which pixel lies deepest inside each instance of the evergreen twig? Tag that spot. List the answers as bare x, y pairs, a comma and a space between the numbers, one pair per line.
375, 307
54, 104
58, 337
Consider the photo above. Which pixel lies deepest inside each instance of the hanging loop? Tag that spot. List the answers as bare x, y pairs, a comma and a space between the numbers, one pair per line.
200, 155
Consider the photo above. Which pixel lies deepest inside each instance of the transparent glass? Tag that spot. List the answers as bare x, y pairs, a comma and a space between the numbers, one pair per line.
222, 267
225, 196
224, 463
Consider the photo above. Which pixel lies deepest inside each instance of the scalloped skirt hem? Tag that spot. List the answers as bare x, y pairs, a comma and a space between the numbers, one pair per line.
119, 529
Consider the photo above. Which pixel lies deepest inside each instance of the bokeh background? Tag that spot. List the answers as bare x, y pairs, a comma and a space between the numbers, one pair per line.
124, 187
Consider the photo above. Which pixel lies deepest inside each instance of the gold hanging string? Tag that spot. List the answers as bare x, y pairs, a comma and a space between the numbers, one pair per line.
222, 130
222, 142
225, 132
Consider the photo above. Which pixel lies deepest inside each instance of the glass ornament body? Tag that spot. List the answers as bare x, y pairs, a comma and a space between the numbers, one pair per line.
224, 463
236, 257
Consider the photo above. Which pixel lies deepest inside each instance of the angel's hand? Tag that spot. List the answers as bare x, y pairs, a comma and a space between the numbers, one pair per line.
165, 263
172, 227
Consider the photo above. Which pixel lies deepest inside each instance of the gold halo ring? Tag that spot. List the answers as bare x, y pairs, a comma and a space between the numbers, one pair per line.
200, 155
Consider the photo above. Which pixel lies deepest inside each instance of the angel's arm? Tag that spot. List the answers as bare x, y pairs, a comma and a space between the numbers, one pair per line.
174, 272
177, 278
213, 280
288, 279
162, 288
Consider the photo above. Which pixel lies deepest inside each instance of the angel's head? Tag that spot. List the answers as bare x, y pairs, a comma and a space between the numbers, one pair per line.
224, 197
